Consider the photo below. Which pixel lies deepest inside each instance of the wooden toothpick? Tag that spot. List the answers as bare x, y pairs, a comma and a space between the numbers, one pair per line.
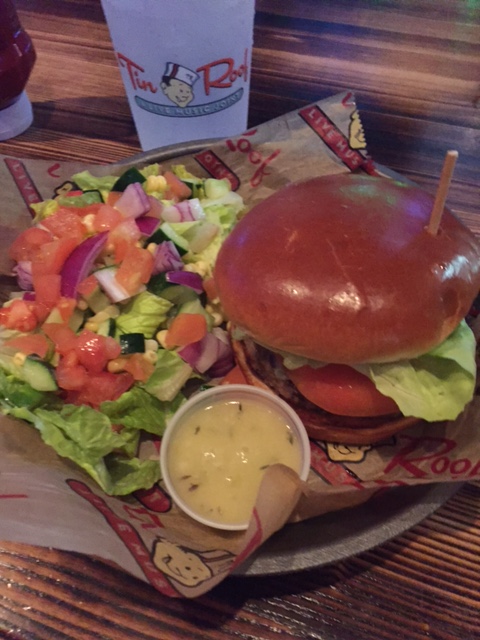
442, 191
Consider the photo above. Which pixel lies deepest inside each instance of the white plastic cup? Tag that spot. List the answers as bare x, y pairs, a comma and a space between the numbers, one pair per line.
185, 65
222, 394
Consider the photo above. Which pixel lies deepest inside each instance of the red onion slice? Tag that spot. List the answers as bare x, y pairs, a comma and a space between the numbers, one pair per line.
147, 225
133, 202
166, 258
185, 211
201, 355
207, 353
186, 278
80, 262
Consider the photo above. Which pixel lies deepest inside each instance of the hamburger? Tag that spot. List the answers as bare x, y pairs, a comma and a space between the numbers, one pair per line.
341, 301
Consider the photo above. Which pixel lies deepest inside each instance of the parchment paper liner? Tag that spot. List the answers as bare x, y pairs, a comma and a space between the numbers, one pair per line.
49, 501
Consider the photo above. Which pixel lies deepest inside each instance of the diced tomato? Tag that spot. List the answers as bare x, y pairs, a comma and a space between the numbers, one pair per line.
113, 196
47, 290
19, 315
185, 329
27, 244
70, 377
87, 286
140, 368
35, 343
178, 189
112, 347
61, 335
66, 307
342, 390
106, 219
65, 224
101, 387
234, 376
91, 352
123, 236
135, 269
82, 211
70, 359
210, 288
94, 351
52, 255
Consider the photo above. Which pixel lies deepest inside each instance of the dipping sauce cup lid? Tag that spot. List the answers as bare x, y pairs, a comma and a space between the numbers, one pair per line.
217, 447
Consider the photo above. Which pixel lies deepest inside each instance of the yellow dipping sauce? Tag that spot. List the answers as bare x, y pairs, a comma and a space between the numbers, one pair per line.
218, 455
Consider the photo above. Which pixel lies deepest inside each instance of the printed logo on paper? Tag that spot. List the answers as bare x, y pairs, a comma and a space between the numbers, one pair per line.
183, 92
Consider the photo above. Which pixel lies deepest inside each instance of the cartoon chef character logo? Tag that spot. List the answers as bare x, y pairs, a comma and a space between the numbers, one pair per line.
177, 83
356, 135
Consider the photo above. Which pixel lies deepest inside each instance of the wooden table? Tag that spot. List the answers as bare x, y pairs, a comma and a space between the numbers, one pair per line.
415, 68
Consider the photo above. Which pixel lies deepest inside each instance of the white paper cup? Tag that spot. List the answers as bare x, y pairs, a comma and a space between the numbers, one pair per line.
185, 65
202, 403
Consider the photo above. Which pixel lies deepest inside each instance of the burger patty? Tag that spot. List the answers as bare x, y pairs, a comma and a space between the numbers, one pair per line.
263, 367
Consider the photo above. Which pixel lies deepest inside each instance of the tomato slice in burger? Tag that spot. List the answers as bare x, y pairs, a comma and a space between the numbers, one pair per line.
341, 390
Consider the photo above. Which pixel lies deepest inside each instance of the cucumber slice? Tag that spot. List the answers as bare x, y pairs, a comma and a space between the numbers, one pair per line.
175, 293
128, 177
37, 373
165, 232
107, 328
132, 343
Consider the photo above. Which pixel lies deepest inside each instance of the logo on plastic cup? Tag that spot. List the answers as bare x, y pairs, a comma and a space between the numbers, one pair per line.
179, 85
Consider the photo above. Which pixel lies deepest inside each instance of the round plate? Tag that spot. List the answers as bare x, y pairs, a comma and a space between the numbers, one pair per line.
339, 535
331, 537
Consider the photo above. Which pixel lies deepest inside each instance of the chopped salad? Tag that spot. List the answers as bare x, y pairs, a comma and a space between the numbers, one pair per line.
116, 316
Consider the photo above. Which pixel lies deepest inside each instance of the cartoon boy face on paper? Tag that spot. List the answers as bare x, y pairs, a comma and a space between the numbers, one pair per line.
177, 84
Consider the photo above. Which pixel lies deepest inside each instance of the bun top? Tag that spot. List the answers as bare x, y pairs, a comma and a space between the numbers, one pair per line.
342, 269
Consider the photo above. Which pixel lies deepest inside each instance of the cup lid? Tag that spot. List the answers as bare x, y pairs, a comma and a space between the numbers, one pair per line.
16, 118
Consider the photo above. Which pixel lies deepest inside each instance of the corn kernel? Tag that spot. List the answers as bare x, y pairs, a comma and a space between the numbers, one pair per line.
155, 183
19, 358
217, 319
117, 365
91, 326
150, 356
151, 345
161, 337
151, 248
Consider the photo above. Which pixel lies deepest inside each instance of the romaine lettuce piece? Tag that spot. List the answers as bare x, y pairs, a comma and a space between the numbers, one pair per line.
143, 314
137, 409
170, 374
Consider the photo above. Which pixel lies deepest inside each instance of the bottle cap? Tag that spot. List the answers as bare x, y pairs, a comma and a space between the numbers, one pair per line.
16, 118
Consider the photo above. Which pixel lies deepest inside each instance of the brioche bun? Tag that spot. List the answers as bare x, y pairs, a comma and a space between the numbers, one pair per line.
342, 269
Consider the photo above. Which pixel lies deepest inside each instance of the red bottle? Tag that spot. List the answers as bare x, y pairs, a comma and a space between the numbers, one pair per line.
17, 57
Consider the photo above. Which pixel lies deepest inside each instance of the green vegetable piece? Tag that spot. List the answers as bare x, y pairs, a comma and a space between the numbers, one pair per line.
166, 232
88, 197
132, 343
128, 177
143, 314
